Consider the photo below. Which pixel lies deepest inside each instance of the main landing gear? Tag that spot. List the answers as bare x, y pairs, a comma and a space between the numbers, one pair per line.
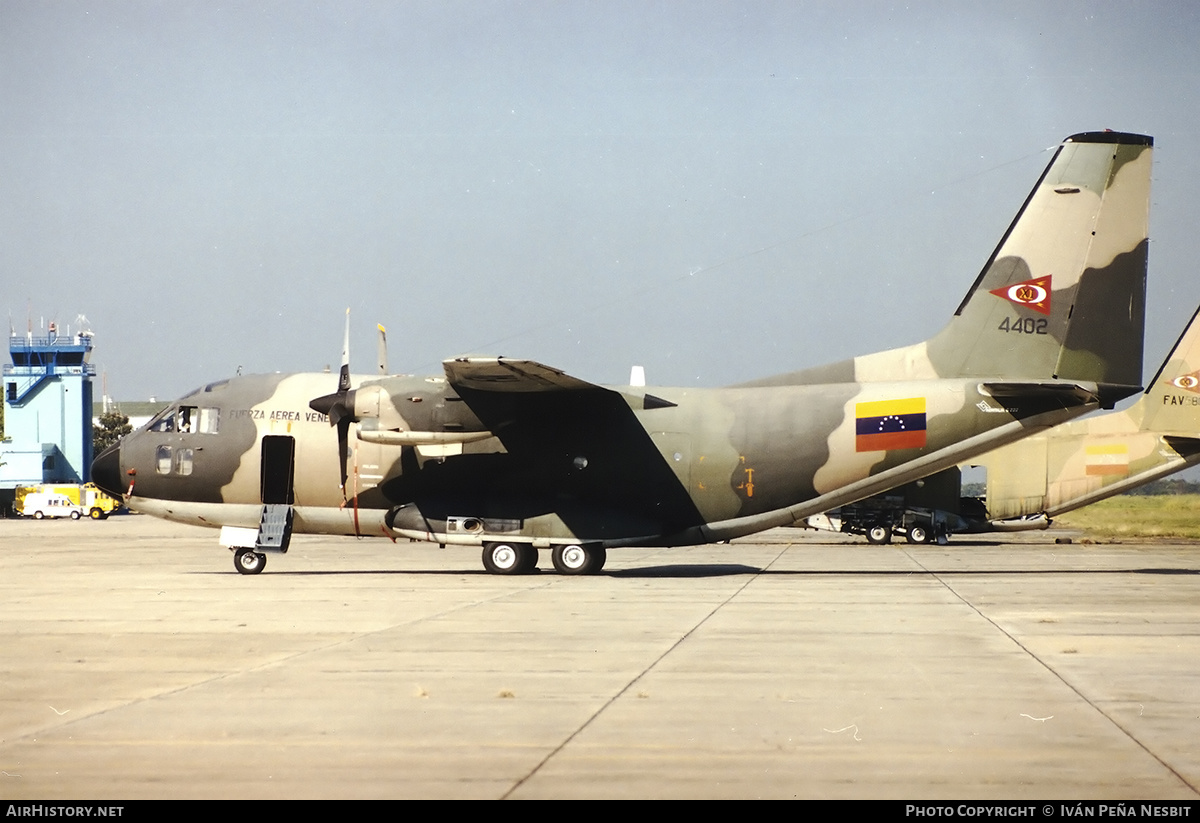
879, 534
509, 558
522, 558
578, 559
248, 561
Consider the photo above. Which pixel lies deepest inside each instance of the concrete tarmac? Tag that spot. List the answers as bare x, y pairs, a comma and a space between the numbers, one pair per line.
136, 663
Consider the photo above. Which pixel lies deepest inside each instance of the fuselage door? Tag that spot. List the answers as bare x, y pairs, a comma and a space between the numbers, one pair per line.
278, 468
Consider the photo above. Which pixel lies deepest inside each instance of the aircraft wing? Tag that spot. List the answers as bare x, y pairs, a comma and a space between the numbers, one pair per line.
573, 447
500, 374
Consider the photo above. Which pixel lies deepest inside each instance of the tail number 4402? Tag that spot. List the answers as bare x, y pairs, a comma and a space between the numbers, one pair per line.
1024, 325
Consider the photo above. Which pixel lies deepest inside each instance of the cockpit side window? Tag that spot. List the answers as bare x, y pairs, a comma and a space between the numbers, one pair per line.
187, 419
210, 421
164, 422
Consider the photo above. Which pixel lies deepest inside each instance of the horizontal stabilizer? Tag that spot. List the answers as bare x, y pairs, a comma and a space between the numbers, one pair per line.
1185, 447
1023, 400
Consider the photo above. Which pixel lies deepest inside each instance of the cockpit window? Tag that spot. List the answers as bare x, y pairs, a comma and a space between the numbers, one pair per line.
164, 422
187, 419
210, 421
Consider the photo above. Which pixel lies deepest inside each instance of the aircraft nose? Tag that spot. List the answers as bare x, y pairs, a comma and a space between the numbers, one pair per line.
106, 471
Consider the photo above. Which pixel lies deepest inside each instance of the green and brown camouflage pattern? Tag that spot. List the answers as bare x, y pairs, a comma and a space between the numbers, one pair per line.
496, 450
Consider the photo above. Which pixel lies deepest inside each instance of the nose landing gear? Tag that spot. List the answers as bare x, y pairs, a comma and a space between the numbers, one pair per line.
248, 561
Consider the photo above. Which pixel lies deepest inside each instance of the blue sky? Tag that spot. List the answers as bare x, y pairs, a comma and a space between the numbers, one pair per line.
716, 191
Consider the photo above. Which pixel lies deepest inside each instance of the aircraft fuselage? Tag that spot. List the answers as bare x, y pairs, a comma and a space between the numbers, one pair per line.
615, 466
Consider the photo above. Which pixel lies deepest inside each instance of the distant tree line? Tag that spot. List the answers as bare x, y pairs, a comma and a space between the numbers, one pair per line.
1169, 485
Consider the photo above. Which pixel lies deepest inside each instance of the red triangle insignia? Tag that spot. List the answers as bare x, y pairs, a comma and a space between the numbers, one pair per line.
1033, 294
1187, 382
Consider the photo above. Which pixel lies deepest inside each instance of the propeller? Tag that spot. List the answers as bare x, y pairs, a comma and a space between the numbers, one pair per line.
339, 406
370, 404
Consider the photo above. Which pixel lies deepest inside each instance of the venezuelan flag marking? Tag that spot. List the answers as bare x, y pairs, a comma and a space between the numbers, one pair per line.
883, 425
1107, 459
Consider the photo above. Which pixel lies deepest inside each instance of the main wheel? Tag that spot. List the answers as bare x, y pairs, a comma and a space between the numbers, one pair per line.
577, 559
248, 561
879, 534
917, 534
509, 558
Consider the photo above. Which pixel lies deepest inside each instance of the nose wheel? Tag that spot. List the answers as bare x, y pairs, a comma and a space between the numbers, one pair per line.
248, 561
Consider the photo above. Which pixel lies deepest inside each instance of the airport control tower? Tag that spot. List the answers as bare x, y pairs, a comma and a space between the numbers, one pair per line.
47, 410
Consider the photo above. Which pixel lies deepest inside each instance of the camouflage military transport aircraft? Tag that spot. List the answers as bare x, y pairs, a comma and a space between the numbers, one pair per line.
1053, 472
513, 456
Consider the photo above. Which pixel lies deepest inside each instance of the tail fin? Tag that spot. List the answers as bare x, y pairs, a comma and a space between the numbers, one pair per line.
1063, 295
1171, 404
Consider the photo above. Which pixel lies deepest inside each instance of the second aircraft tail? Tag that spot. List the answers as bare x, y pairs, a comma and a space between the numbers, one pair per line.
1171, 404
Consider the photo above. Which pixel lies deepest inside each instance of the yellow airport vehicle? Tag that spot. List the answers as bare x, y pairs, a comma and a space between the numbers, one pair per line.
87, 499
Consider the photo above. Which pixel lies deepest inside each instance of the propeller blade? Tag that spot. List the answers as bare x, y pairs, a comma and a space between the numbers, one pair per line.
383, 370
343, 430
344, 374
339, 406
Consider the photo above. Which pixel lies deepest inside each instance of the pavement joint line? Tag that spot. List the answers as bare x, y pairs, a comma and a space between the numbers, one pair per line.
648, 668
1054, 672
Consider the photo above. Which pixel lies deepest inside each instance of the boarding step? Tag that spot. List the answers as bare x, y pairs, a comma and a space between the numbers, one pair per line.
275, 527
